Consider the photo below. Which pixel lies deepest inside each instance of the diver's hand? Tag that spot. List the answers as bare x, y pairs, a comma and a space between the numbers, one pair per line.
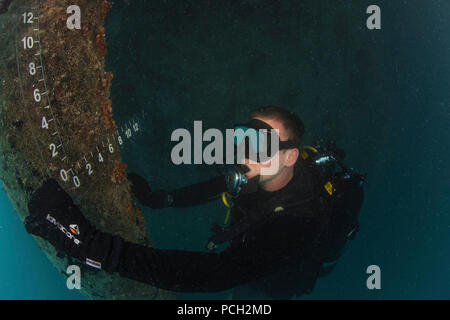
54, 217
154, 199
139, 187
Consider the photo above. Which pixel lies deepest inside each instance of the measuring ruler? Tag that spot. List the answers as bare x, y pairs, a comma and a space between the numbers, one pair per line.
73, 169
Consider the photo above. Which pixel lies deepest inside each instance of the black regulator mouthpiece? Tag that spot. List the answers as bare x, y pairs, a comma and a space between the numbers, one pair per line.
237, 183
235, 180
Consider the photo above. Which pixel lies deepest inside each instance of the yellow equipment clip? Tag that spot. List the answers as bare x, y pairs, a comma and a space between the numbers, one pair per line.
225, 197
329, 187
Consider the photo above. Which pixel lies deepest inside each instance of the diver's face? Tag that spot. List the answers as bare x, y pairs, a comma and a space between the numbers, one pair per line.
281, 156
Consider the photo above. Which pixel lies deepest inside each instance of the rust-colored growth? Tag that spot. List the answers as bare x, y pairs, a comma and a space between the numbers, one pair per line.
105, 106
119, 172
107, 80
103, 83
130, 208
99, 85
100, 43
139, 216
86, 28
105, 6
100, 37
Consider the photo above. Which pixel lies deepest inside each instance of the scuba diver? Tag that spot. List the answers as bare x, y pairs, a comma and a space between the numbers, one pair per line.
283, 230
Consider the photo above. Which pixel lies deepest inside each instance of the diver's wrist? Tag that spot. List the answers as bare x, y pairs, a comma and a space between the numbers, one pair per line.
103, 251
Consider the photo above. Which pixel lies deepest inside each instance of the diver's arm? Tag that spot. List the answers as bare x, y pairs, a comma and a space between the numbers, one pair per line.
183, 197
198, 193
53, 215
188, 271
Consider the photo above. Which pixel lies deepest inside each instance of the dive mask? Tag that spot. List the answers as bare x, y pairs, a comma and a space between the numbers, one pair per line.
258, 141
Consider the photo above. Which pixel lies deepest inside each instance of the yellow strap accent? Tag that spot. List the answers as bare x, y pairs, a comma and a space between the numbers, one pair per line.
227, 217
228, 205
304, 154
225, 200
310, 148
329, 187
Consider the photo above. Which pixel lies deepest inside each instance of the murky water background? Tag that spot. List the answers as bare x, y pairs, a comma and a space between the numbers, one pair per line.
383, 95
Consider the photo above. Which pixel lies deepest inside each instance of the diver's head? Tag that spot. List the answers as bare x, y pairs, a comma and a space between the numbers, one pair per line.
290, 130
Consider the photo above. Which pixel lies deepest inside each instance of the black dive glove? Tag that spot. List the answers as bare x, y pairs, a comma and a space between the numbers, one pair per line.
54, 217
154, 199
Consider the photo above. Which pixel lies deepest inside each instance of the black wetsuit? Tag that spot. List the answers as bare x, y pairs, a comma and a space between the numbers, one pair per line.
275, 252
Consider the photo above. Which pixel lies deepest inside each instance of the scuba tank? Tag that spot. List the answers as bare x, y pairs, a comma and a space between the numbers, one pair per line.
345, 190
